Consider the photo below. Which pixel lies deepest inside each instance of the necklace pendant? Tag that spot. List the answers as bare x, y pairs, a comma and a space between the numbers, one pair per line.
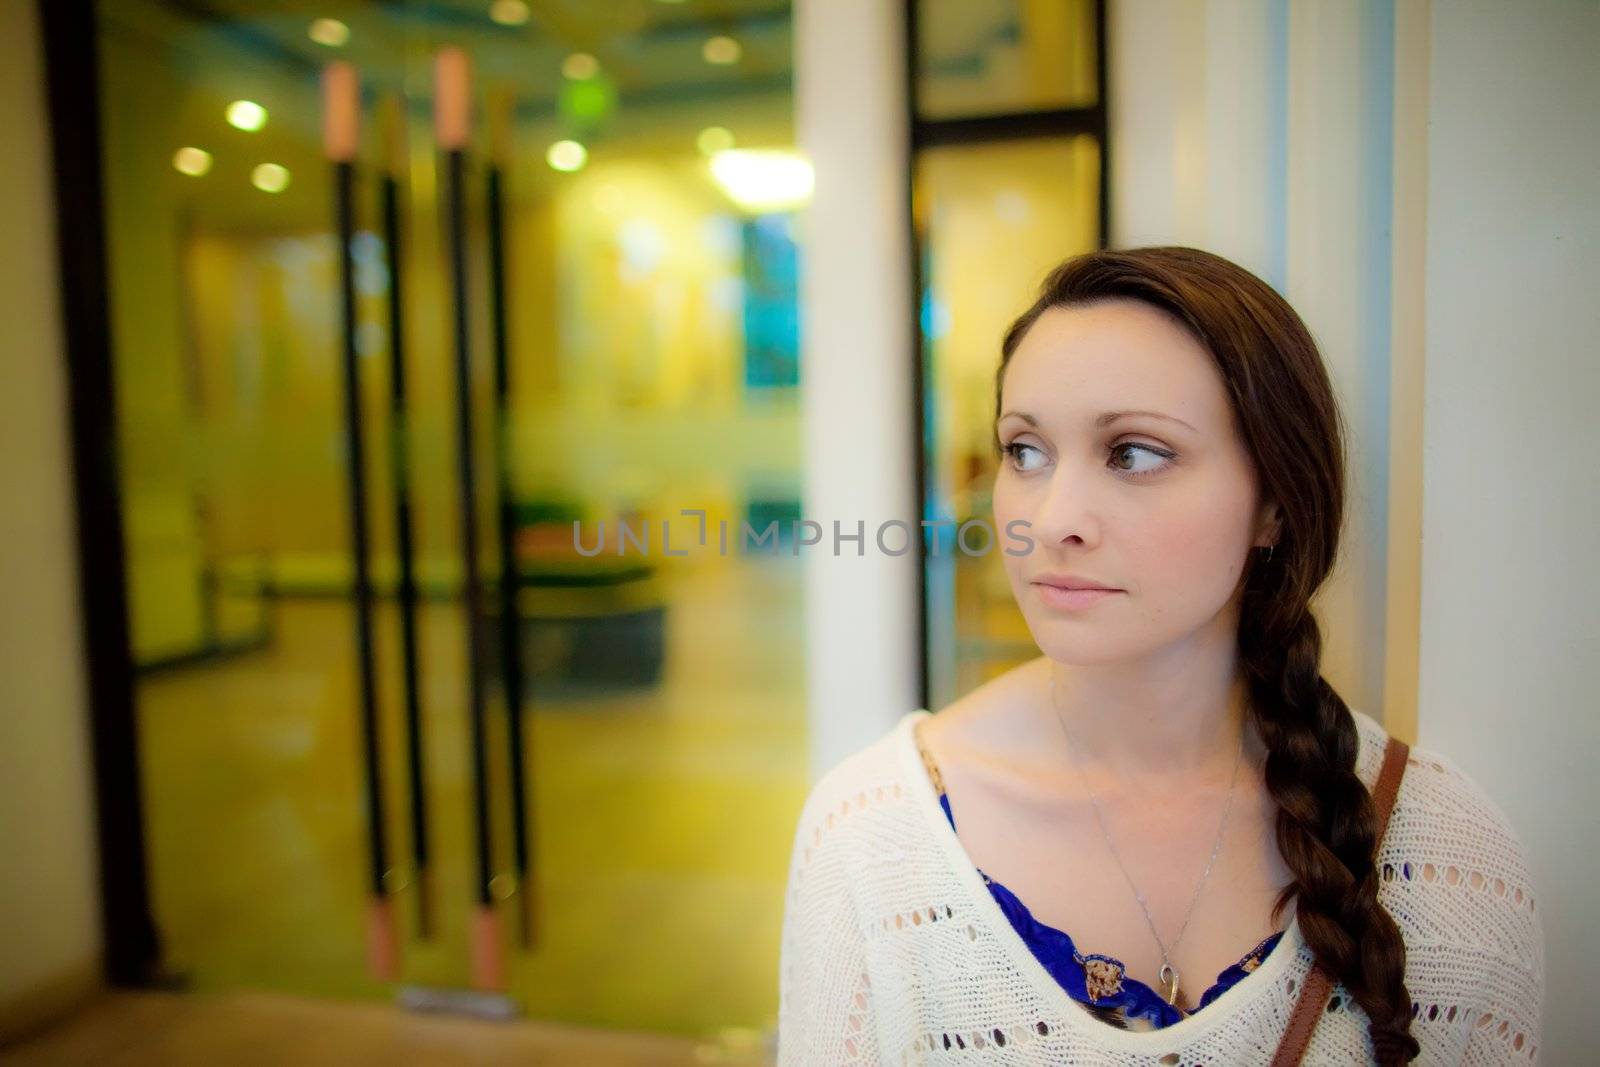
1169, 984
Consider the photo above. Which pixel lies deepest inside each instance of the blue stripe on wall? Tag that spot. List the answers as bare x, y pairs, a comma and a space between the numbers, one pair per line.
1277, 266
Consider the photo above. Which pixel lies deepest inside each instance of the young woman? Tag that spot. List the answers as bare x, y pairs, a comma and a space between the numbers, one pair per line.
1088, 860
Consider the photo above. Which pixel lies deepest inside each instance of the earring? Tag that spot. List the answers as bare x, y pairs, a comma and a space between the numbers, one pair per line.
1269, 554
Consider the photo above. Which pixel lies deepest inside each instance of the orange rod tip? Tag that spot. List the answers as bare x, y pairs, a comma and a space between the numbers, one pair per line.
488, 950
383, 941
341, 111
452, 98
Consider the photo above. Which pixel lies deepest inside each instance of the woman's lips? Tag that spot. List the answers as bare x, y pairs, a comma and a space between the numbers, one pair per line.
1073, 599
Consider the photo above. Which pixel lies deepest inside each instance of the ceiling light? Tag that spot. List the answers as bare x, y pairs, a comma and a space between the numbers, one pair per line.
714, 139
270, 178
329, 32
766, 179
567, 156
580, 66
246, 115
192, 161
509, 12
721, 50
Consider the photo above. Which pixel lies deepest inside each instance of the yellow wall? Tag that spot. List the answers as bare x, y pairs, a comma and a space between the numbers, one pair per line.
49, 933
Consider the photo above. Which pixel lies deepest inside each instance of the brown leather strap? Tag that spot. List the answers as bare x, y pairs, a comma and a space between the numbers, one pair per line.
1319, 984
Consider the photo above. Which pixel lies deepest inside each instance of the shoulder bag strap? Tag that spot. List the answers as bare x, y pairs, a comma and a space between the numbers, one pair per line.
1319, 984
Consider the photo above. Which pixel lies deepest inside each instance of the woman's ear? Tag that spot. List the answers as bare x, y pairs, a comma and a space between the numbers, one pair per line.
1269, 524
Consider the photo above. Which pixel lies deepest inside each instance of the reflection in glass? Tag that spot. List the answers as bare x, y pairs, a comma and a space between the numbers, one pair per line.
1004, 56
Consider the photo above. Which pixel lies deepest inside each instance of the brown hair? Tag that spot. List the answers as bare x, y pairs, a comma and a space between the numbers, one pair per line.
1289, 419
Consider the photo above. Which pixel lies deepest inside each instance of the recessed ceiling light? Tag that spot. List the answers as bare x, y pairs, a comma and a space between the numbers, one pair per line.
509, 12
567, 156
329, 32
192, 161
714, 139
580, 66
246, 115
270, 178
721, 50
763, 180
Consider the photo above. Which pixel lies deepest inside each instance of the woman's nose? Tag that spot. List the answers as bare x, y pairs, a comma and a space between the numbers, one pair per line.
1069, 507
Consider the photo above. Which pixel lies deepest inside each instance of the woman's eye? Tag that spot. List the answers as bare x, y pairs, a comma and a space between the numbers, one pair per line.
1128, 447
1014, 450
1017, 451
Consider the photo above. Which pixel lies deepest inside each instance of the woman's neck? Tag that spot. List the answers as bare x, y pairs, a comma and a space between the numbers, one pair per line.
1148, 722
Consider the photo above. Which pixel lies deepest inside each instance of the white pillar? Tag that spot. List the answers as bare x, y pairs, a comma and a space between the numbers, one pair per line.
50, 889
856, 388
1340, 193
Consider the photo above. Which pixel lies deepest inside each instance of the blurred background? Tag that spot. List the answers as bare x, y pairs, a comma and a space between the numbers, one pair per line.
756, 260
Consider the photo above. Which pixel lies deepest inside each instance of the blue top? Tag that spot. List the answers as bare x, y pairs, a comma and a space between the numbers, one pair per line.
1100, 982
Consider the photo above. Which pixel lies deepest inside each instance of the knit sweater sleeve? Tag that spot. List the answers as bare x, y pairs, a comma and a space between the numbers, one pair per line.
1483, 952
825, 1006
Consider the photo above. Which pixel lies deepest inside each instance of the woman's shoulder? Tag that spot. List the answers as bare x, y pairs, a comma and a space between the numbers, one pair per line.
1436, 786
1436, 791
868, 781
1456, 856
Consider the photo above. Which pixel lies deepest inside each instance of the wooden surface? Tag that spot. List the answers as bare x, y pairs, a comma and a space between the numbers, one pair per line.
241, 1029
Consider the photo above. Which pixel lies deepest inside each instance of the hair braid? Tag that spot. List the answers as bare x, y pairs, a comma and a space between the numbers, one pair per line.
1326, 831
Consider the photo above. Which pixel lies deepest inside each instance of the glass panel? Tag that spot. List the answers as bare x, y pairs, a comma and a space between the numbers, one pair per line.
654, 366
998, 57
993, 219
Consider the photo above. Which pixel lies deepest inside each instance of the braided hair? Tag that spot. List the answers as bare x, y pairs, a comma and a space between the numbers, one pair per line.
1290, 421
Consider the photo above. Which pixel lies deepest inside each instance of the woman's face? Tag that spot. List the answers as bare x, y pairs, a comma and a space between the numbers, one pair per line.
1162, 509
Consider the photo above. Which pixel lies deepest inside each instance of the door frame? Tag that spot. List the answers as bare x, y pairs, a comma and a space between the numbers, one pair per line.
1000, 126
132, 950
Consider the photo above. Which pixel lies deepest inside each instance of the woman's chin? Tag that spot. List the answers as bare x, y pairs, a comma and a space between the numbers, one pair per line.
1069, 642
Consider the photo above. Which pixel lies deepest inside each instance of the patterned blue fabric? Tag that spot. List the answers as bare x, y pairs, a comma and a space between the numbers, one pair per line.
1120, 998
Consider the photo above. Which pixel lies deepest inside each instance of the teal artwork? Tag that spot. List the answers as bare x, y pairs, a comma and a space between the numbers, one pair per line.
771, 303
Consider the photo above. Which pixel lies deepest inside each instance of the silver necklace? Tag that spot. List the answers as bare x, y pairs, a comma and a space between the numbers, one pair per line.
1169, 973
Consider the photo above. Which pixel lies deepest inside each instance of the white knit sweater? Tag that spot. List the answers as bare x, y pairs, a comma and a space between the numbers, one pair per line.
894, 951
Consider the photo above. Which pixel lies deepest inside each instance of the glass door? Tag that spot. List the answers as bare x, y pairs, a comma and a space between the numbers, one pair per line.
642, 234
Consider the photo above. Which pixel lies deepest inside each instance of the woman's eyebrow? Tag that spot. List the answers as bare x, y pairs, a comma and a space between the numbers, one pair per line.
1104, 419
1107, 418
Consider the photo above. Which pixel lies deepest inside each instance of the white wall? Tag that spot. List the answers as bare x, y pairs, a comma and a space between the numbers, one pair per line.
49, 926
1511, 490
1420, 181
1261, 130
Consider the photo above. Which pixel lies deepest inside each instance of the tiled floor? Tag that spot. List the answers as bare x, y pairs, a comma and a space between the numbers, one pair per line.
662, 818
261, 1029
